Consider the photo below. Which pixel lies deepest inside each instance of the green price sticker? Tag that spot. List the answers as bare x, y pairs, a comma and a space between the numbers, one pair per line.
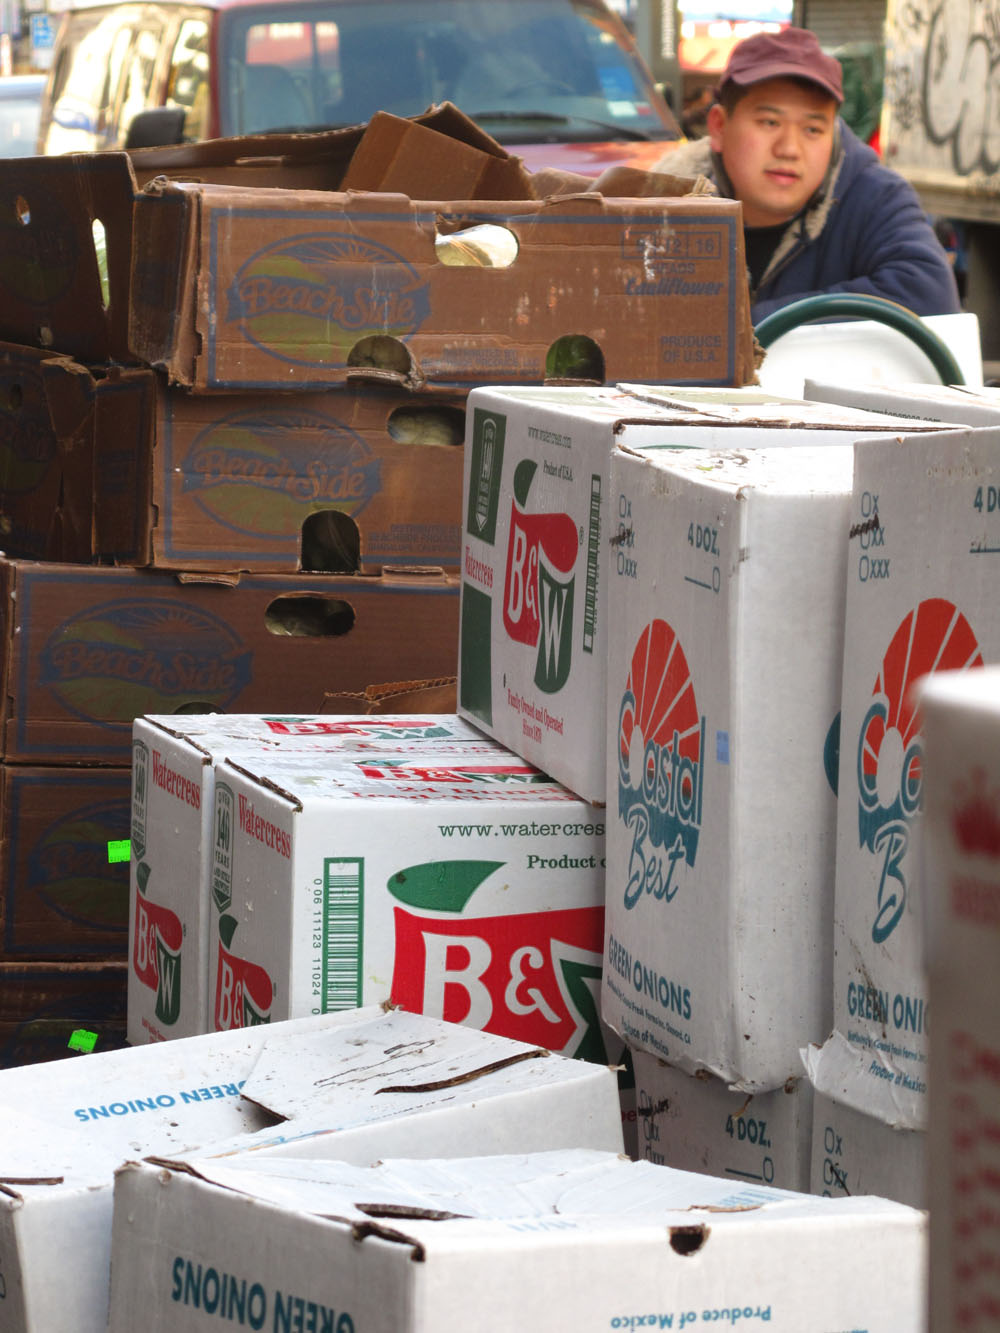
119, 851
82, 1040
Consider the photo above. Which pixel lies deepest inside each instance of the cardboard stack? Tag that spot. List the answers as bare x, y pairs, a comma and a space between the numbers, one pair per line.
695, 601
594, 1241
292, 865
960, 880
352, 1086
235, 380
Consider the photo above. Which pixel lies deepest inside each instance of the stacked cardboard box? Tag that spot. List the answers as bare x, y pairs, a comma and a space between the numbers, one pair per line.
353, 1085
252, 359
919, 601
695, 601
961, 884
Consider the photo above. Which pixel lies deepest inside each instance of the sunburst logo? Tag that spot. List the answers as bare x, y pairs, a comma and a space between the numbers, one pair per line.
934, 637
661, 741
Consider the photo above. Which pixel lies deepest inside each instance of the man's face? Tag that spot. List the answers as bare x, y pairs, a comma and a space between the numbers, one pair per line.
776, 146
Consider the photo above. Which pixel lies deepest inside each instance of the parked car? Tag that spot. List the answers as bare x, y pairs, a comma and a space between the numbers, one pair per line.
20, 110
536, 74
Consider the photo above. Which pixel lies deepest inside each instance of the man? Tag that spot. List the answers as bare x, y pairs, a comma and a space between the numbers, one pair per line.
820, 211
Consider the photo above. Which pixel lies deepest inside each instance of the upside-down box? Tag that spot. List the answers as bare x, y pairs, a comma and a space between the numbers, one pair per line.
86, 650
364, 1083
572, 1240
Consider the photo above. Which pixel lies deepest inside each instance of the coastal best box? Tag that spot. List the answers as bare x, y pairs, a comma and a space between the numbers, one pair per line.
920, 599
591, 1240
698, 1124
173, 802
365, 1082
961, 872
725, 644
471, 889
86, 650
545, 538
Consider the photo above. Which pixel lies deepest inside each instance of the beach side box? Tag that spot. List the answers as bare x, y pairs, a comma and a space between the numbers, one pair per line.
596, 1241
471, 889
725, 646
698, 1124
544, 541
919, 601
110, 464
170, 830
372, 1081
87, 649
236, 288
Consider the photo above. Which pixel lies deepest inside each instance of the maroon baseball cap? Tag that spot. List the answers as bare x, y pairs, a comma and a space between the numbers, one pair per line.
792, 53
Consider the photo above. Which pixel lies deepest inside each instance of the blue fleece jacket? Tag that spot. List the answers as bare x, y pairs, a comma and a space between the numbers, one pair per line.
866, 231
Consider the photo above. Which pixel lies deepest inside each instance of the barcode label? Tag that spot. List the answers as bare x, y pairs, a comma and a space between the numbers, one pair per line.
343, 908
593, 554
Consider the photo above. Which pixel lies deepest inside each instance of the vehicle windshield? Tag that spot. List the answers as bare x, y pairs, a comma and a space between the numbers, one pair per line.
20, 107
526, 70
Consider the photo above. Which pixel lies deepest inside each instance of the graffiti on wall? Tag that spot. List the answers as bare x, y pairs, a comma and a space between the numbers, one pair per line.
943, 78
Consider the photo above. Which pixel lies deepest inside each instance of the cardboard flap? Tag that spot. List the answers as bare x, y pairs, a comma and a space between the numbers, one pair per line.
411, 696
425, 162
621, 182
70, 396
402, 1054
51, 292
316, 160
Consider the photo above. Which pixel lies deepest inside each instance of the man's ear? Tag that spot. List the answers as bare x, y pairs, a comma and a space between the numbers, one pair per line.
715, 123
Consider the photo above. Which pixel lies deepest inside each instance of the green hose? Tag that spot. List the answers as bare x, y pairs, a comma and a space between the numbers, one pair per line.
863, 307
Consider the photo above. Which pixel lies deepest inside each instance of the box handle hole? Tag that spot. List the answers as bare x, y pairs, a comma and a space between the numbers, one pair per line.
309, 616
485, 245
574, 356
686, 1241
331, 543
427, 425
381, 352
101, 255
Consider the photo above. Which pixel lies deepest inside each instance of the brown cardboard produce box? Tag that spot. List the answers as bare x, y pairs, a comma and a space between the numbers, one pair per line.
43, 1004
86, 650
63, 884
52, 413
235, 289
109, 464
296, 262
